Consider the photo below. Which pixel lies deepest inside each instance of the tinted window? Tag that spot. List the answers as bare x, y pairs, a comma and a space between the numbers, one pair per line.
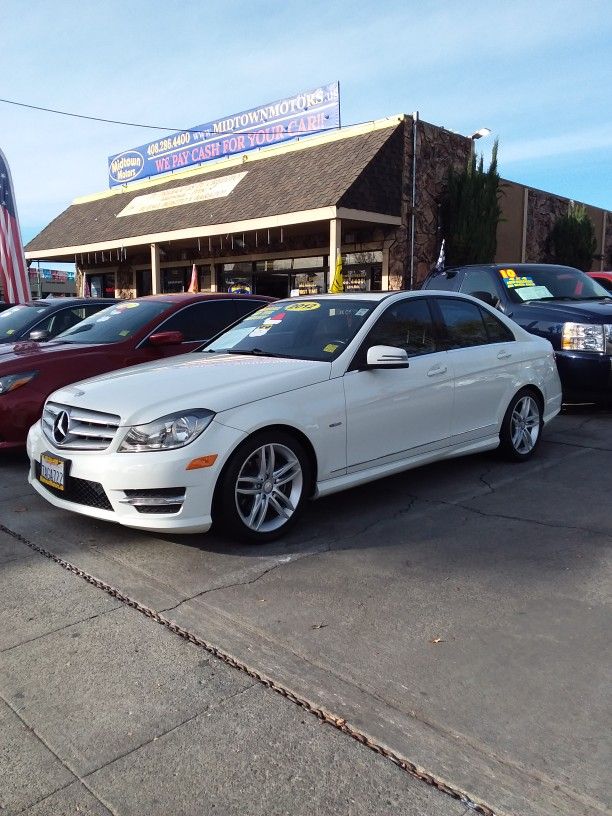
301, 328
480, 280
115, 323
16, 319
445, 282
406, 325
64, 319
202, 320
244, 307
496, 330
464, 323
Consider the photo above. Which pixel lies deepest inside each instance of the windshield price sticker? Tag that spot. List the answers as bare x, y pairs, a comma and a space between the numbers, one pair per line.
307, 306
534, 293
514, 281
52, 471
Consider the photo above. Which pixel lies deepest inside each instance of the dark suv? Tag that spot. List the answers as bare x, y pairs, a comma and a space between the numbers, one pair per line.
559, 303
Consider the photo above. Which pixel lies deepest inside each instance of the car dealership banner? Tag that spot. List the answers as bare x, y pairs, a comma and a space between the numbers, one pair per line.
299, 115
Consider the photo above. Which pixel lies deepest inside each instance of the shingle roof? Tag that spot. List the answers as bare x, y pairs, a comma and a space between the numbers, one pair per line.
361, 172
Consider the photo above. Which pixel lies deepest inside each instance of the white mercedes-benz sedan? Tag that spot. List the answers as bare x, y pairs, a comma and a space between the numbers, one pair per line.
301, 399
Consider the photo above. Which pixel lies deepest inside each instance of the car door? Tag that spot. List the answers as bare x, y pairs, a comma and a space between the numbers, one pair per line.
392, 414
484, 355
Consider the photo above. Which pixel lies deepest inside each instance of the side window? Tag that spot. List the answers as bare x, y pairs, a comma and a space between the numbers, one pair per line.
446, 282
246, 306
464, 323
496, 330
480, 280
408, 325
60, 321
86, 311
200, 321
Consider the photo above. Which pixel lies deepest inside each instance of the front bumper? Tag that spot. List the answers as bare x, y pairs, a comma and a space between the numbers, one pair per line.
147, 491
585, 376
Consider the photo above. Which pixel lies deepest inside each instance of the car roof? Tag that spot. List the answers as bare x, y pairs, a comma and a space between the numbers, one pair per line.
190, 297
508, 265
60, 302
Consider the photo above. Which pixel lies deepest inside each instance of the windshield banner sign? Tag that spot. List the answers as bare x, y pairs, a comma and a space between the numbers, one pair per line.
300, 115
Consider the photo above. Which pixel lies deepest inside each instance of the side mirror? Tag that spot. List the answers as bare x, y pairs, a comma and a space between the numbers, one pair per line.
386, 357
39, 335
487, 297
167, 338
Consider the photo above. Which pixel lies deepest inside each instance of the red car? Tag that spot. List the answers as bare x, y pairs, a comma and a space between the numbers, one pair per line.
603, 278
127, 333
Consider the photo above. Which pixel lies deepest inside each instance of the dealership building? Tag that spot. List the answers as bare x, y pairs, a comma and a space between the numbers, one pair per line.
272, 220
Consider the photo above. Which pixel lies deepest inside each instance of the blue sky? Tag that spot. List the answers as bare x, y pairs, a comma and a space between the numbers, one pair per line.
537, 73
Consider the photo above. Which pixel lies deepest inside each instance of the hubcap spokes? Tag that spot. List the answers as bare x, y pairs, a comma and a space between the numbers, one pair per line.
268, 487
525, 425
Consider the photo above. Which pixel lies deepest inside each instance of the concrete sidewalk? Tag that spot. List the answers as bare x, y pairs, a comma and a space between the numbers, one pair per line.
104, 711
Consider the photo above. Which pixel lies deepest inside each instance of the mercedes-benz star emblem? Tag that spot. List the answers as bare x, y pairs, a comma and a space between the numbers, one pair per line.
61, 427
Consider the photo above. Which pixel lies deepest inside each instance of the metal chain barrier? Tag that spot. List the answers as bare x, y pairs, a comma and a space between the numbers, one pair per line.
324, 716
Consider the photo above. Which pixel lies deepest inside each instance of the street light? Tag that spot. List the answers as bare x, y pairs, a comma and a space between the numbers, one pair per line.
480, 133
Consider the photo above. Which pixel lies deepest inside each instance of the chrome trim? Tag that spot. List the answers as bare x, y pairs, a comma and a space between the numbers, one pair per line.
81, 429
154, 501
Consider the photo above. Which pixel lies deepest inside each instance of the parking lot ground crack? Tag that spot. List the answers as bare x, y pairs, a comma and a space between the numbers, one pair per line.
61, 628
66, 765
368, 527
582, 446
523, 519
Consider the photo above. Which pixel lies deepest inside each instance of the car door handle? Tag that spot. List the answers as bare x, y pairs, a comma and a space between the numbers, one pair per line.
436, 370
503, 355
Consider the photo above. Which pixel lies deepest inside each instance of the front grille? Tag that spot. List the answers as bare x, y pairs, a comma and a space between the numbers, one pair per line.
80, 429
79, 491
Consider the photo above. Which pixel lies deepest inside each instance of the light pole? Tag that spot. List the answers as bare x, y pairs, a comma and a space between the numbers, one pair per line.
478, 135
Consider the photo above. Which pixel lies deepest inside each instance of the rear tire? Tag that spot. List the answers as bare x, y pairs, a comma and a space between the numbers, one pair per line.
521, 429
263, 488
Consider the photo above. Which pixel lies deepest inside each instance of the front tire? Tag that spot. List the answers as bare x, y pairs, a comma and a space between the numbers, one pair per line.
522, 426
263, 487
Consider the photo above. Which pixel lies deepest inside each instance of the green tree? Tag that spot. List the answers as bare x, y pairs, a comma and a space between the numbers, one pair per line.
471, 212
572, 239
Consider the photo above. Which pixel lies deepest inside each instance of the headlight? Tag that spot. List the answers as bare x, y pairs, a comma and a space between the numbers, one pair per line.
12, 381
583, 337
168, 432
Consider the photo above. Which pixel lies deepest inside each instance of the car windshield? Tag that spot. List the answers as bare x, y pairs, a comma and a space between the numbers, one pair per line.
113, 325
308, 329
13, 321
552, 283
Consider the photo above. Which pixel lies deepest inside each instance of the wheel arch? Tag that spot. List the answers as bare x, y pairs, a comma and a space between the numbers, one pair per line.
300, 436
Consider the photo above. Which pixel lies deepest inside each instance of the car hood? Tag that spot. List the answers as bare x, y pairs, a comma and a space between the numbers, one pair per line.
218, 382
27, 352
590, 311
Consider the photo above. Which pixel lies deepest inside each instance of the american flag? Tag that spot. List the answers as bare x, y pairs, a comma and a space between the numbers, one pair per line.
13, 270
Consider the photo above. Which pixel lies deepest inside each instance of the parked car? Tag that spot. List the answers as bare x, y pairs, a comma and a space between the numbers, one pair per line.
559, 303
45, 319
4, 305
304, 398
129, 332
603, 279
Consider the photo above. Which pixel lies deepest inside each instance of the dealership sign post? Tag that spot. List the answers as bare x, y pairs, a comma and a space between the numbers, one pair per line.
300, 115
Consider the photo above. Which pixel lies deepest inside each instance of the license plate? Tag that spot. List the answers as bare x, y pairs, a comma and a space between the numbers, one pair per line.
52, 471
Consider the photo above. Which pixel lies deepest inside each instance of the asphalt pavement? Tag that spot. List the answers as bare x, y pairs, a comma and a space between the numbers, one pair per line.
457, 617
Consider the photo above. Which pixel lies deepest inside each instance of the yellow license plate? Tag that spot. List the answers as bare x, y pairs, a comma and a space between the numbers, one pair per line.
52, 471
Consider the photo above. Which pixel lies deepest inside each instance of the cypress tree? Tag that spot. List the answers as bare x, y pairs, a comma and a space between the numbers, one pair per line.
471, 212
572, 239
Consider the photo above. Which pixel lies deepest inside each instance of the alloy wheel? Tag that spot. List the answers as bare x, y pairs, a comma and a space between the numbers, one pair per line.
268, 488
